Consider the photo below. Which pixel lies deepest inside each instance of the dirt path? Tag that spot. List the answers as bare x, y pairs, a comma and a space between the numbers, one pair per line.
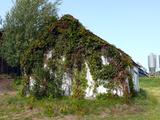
5, 84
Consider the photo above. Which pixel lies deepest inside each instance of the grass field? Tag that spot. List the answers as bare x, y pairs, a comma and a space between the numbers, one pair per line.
146, 106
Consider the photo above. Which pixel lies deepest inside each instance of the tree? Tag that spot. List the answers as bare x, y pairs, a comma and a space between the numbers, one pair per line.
23, 24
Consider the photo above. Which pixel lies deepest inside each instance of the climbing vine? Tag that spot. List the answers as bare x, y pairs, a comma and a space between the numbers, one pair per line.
79, 83
69, 39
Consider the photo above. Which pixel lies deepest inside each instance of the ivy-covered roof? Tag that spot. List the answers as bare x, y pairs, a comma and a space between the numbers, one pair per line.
68, 38
69, 22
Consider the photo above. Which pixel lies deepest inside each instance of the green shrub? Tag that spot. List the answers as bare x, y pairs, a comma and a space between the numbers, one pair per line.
45, 85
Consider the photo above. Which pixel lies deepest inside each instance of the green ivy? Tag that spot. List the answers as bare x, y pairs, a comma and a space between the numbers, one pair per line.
79, 83
67, 37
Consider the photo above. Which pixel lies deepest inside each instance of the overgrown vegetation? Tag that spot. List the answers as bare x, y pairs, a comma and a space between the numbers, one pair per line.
23, 24
69, 39
145, 106
32, 29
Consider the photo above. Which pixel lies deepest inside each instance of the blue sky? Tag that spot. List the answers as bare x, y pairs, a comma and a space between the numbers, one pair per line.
131, 25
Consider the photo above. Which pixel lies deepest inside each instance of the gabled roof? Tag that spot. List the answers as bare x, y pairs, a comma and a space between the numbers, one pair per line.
69, 22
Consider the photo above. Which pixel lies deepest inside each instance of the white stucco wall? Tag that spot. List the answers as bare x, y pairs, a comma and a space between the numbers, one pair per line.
101, 89
135, 78
66, 84
104, 60
90, 83
89, 92
31, 82
49, 54
118, 92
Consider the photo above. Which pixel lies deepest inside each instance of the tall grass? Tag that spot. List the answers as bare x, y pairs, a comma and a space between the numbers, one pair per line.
145, 106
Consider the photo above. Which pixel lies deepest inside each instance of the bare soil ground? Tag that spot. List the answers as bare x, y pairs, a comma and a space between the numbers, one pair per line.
6, 84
